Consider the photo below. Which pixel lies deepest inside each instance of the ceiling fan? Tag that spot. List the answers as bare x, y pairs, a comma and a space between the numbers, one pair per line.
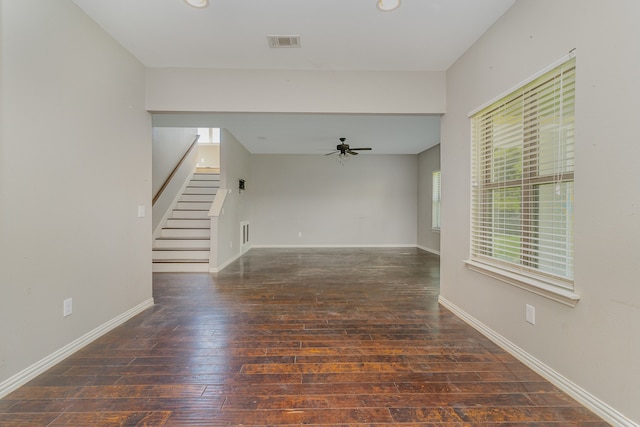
343, 149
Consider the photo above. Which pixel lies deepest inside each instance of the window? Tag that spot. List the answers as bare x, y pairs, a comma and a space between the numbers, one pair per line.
435, 200
522, 180
209, 135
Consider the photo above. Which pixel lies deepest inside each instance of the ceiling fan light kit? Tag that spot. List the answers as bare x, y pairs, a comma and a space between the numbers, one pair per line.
343, 151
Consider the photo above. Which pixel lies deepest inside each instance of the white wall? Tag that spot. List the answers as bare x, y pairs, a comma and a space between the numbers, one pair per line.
428, 161
280, 91
370, 201
235, 164
76, 164
209, 155
594, 345
169, 145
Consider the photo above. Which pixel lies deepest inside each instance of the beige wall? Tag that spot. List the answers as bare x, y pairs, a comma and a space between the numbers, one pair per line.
280, 91
209, 155
594, 345
369, 201
428, 162
235, 160
169, 145
76, 164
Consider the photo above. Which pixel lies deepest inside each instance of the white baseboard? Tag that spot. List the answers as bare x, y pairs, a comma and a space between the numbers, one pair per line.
225, 264
222, 266
585, 398
26, 375
433, 251
332, 246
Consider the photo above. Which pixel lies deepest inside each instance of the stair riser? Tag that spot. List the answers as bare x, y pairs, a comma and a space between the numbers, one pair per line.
182, 243
200, 183
206, 176
200, 190
185, 233
197, 198
188, 223
194, 205
186, 255
180, 267
177, 214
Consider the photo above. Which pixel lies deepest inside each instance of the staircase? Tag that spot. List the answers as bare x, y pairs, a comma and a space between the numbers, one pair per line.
183, 244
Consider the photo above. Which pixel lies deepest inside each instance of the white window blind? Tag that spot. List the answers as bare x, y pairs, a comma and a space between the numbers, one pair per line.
435, 200
522, 178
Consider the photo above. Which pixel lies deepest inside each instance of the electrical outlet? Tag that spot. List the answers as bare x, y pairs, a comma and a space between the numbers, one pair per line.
67, 307
530, 314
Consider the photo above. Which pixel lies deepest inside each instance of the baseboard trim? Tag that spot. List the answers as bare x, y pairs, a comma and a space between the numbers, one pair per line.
432, 251
221, 267
585, 398
332, 246
26, 375
235, 257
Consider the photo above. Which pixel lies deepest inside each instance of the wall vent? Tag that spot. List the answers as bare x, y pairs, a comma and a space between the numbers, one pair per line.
284, 41
244, 237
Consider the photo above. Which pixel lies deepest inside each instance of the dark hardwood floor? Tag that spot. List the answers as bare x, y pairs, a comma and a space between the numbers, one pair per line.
327, 337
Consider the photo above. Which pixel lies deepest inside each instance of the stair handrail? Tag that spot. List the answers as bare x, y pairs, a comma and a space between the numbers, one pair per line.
173, 172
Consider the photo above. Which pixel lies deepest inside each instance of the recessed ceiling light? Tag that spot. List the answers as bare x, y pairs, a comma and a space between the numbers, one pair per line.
197, 3
388, 5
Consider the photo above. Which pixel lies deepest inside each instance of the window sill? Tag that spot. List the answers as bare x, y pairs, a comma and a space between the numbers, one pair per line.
435, 230
540, 287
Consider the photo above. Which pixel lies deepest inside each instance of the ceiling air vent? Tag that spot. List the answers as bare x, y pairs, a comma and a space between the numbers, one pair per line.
284, 41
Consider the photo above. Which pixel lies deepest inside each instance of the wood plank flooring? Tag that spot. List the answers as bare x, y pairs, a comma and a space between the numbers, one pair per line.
284, 337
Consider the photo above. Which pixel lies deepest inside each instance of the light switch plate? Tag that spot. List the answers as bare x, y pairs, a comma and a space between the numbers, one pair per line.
531, 314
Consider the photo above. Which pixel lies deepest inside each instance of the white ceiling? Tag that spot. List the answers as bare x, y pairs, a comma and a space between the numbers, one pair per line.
422, 35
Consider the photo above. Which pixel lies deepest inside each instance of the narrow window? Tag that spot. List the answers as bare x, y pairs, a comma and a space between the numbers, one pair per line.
435, 200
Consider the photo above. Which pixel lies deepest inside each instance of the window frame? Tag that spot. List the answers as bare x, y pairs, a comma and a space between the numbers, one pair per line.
525, 273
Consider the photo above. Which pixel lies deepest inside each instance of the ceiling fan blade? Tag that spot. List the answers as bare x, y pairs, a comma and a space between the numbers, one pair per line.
360, 148
333, 152
352, 152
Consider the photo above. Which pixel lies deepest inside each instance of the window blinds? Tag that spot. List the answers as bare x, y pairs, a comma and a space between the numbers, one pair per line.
522, 177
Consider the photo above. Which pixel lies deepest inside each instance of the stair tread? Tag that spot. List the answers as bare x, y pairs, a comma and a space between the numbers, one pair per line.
190, 219
193, 261
163, 250
178, 248
183, 238
185, 228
